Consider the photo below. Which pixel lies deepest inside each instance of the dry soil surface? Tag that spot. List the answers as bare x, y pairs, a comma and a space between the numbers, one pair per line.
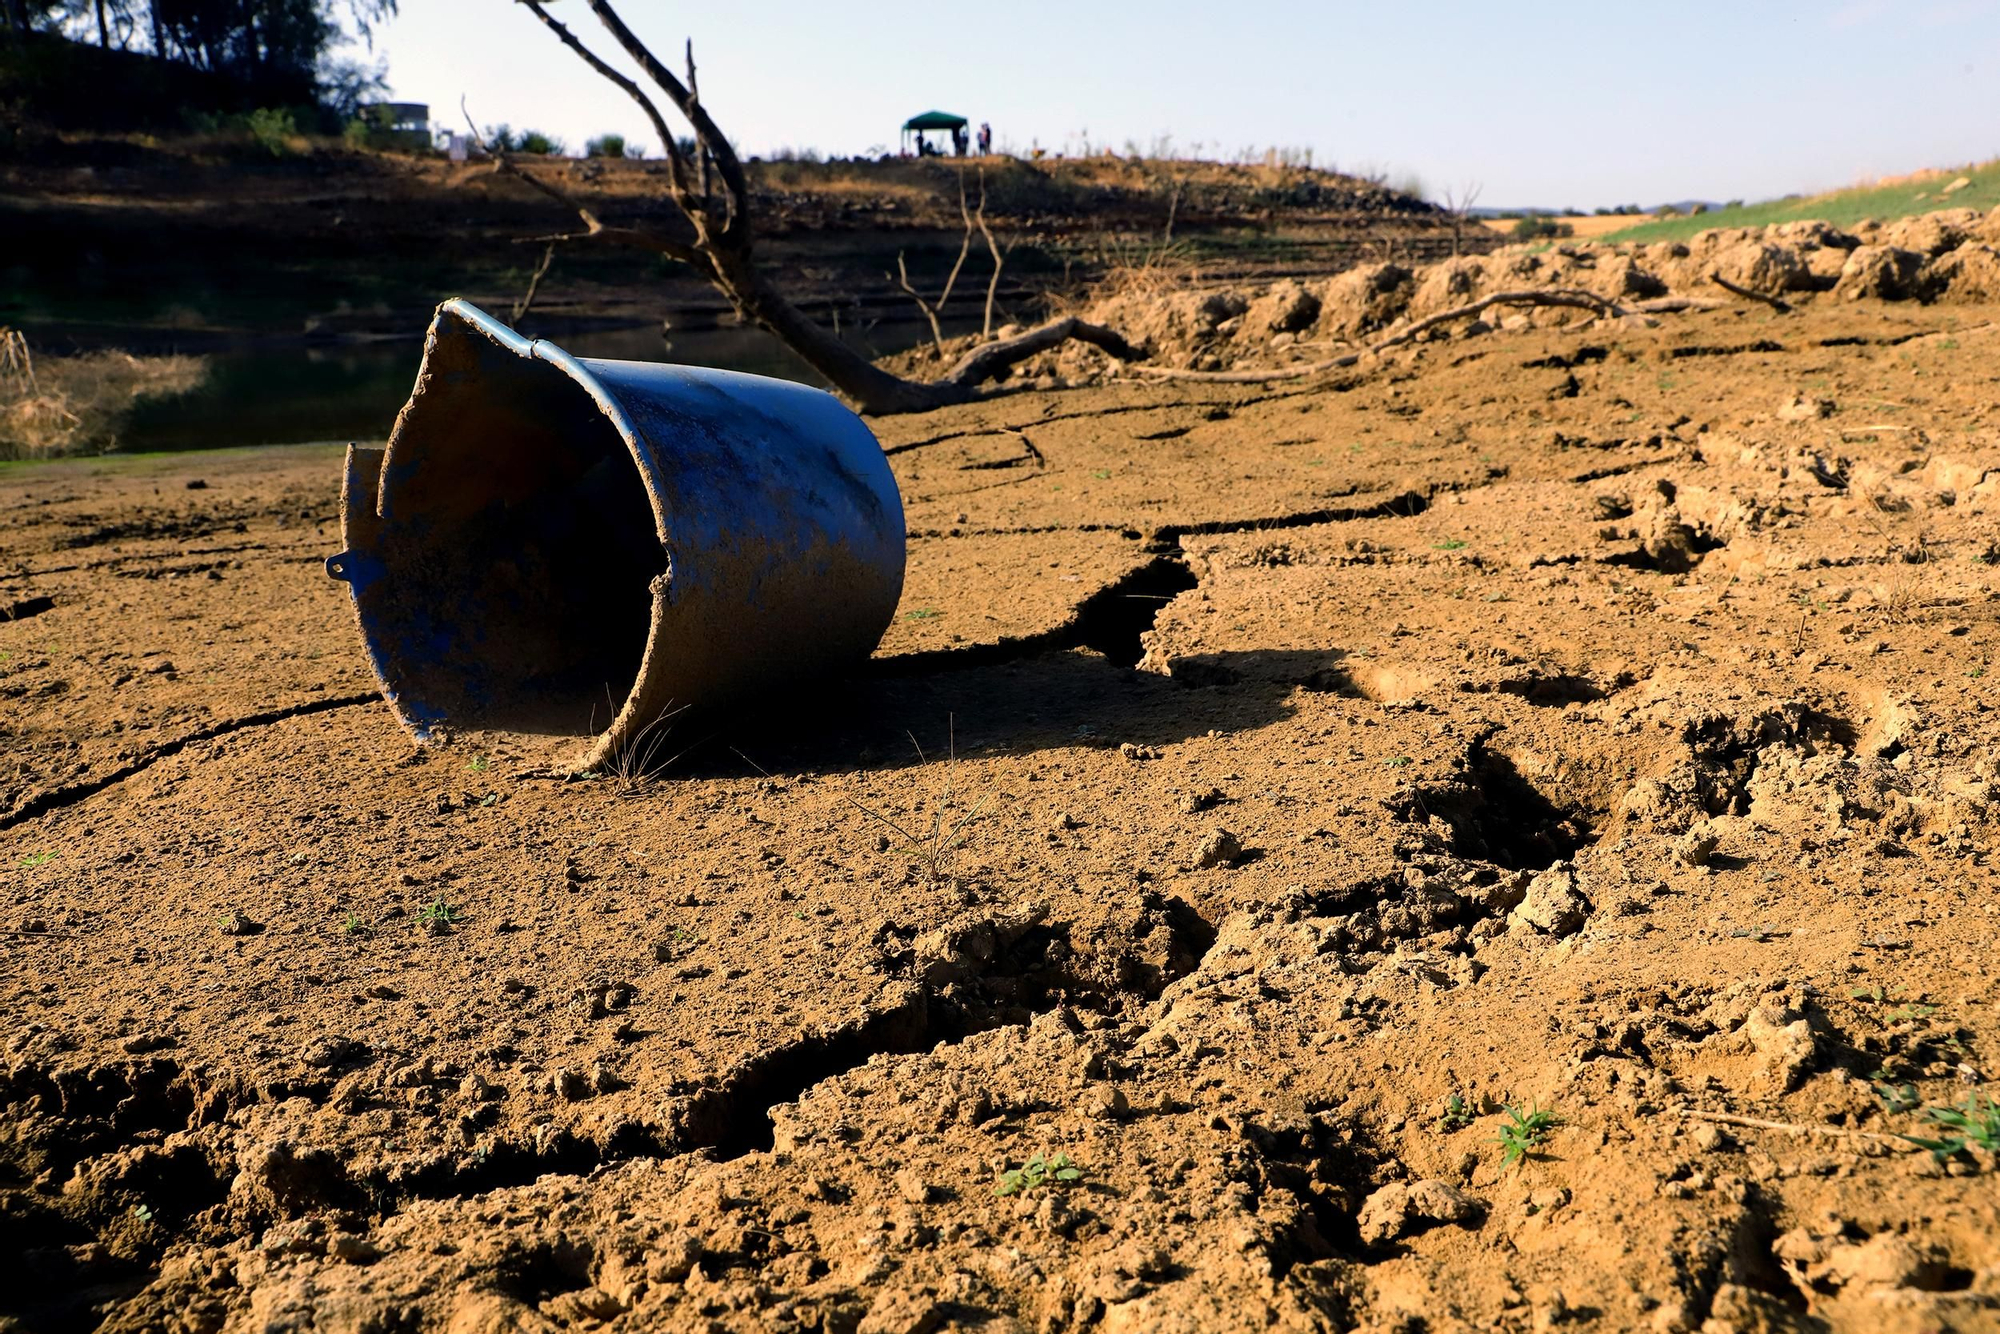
1591, 722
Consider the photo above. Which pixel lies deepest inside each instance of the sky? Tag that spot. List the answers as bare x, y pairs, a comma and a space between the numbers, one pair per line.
1539, 104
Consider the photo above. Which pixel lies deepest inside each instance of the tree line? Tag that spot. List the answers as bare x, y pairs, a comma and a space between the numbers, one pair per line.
294, 45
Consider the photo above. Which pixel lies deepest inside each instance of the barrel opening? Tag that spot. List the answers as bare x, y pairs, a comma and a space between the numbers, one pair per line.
518, 544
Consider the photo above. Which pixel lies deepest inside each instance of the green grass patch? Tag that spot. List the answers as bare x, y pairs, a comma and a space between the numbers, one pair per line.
1842, 208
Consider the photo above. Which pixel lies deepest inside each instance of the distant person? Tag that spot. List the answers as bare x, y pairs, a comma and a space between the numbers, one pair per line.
959, 139
985, 139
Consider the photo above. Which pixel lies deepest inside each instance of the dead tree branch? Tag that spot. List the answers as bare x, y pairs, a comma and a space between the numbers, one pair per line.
1458, 205
720, 245
700, 147
999, 258
931, 311
986, 361
1672, 305
1571, 297
1782, 307
527, 301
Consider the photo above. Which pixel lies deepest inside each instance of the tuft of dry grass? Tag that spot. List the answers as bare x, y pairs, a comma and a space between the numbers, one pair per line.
934, 848
76, 405
636, 763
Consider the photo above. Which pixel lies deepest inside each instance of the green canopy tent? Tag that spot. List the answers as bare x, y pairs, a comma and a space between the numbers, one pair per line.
930, 120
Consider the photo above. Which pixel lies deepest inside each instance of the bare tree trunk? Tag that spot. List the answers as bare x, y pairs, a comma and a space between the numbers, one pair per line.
103, 28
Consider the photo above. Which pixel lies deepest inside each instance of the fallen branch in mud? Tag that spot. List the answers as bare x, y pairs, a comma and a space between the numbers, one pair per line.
1782, 307
988, 359
1570, 297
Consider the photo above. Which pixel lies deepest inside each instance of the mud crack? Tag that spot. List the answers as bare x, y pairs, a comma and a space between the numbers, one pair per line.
58, 798
1109, 621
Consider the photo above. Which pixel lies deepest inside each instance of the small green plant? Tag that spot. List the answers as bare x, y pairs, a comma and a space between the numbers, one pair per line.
1524, 1132
437, 916
1038, 1171
922, 614
34, 859
1102, 475
1449, 544
605, 145
1399, 762
1900, 1006
1972, 1124
478, 764
1458, 1114
1899, 1097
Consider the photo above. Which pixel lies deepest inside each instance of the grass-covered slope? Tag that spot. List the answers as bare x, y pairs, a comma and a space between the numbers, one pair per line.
1923, 193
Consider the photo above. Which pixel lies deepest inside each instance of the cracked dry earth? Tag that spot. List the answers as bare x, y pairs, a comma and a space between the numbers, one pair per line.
1594, 721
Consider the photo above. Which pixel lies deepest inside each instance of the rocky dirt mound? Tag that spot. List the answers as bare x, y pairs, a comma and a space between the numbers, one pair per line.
1952, 256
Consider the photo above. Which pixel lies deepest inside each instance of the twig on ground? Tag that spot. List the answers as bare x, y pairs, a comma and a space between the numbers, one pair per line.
1782, 307
1793, 1128
1674, 305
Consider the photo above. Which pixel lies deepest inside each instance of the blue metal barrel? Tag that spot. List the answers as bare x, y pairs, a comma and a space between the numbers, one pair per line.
563, 547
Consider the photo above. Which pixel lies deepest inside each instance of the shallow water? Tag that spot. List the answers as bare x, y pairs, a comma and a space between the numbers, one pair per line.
282, 394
